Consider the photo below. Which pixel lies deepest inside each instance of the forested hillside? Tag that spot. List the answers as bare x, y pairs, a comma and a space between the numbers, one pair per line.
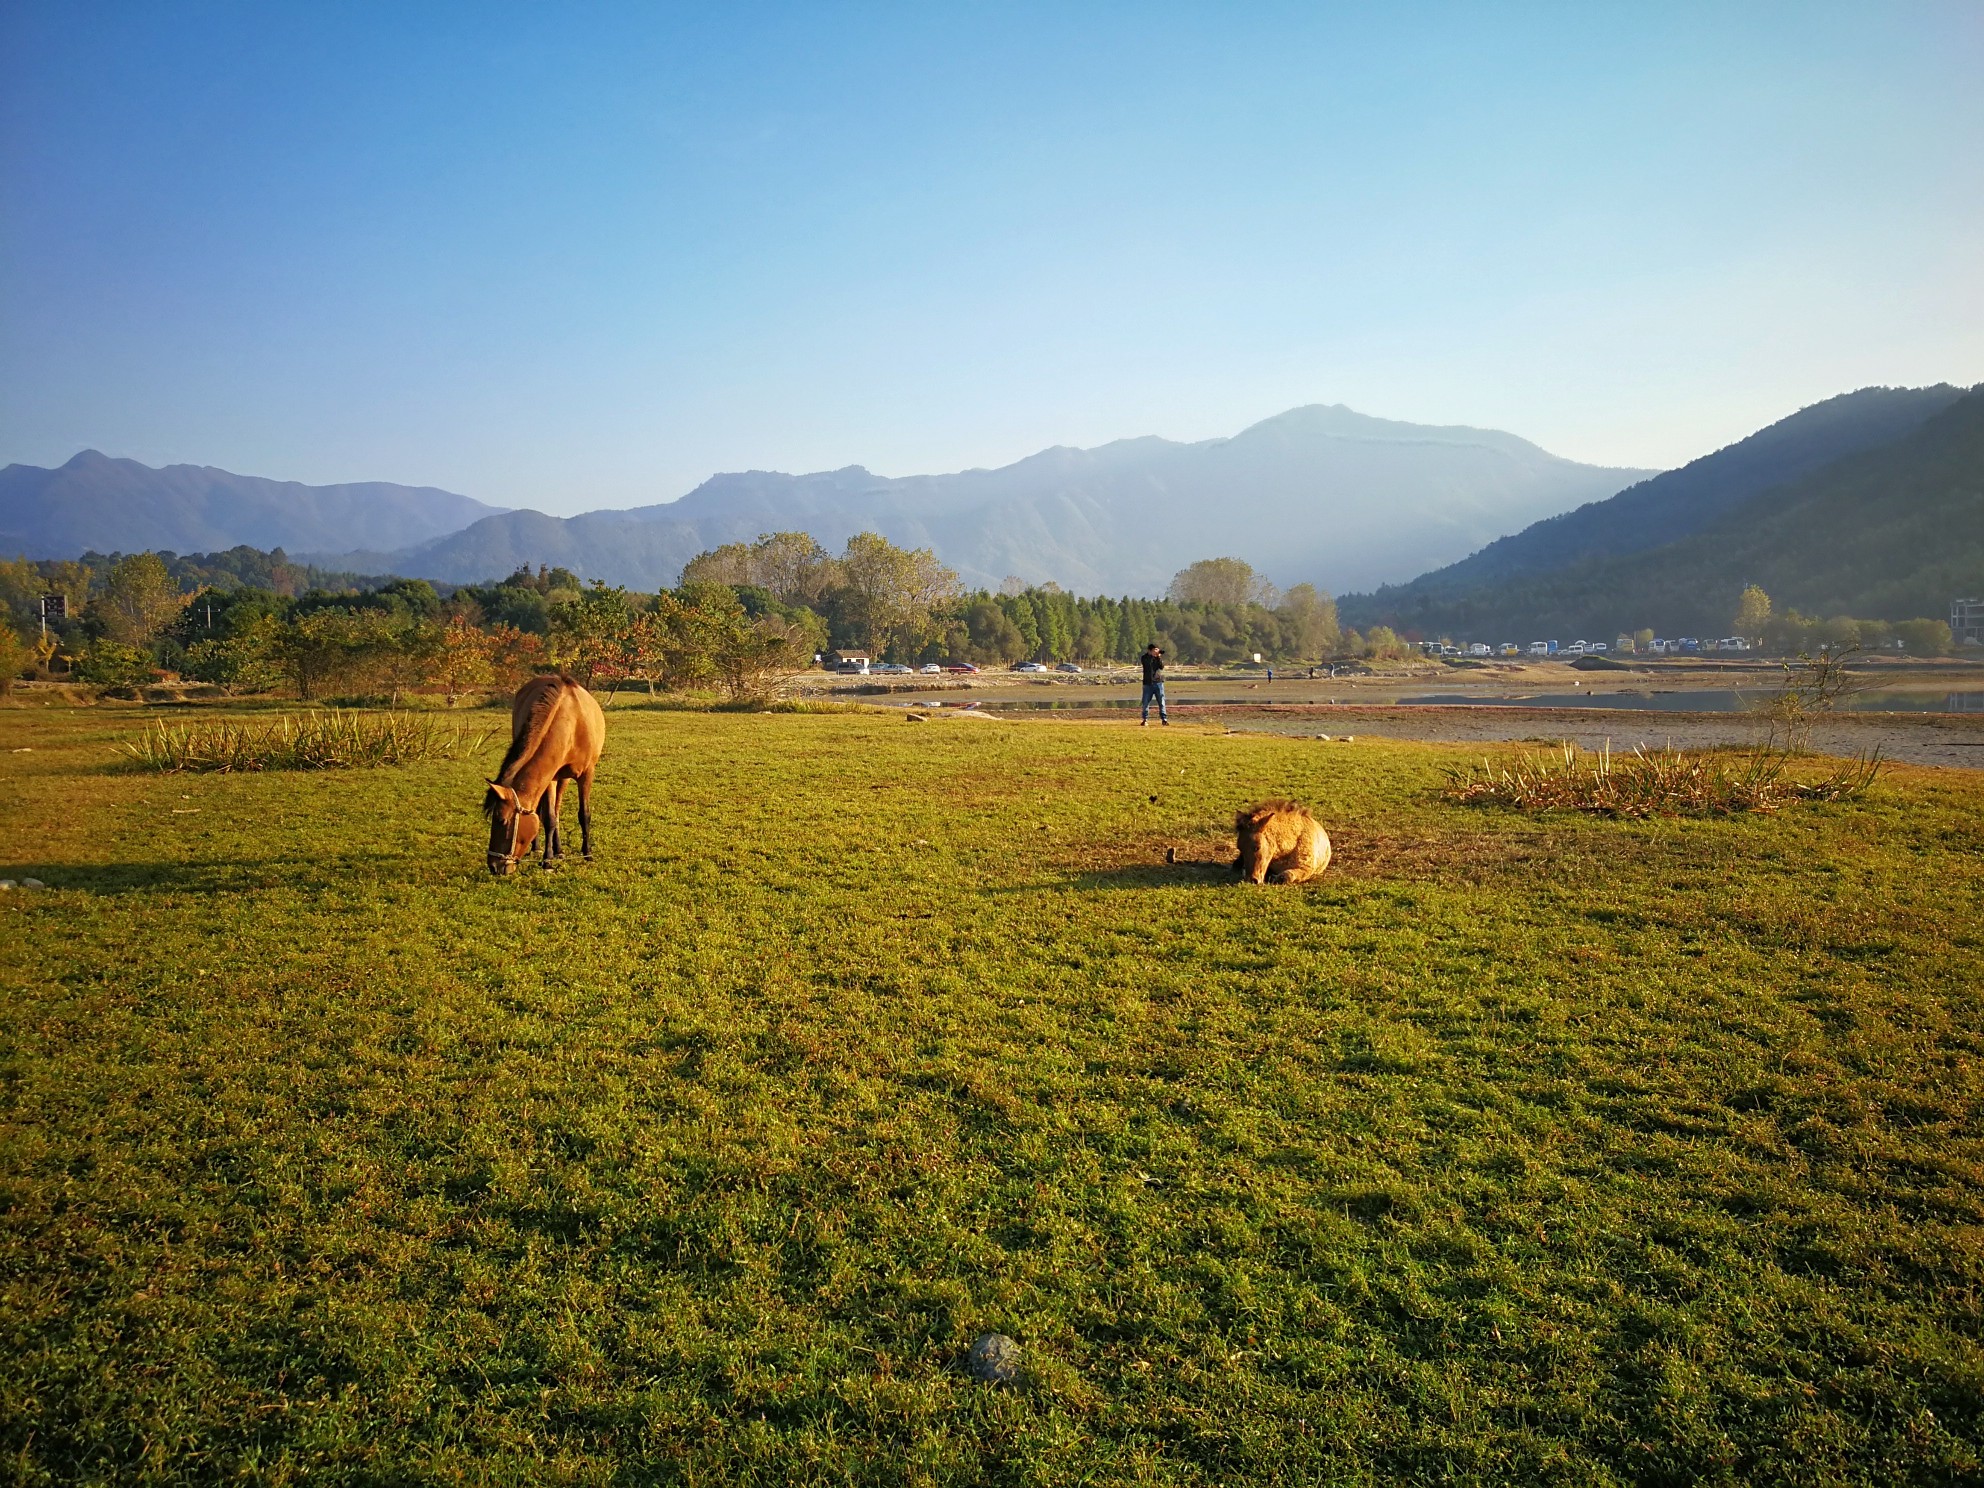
1680, 502
1891, 532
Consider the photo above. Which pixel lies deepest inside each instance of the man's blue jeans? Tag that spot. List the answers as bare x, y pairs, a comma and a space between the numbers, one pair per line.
1155, 690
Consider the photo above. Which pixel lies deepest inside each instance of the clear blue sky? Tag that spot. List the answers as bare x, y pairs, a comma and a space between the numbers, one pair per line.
573, 256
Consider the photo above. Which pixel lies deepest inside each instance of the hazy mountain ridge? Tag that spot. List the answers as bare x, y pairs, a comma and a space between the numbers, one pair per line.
1318, 494
111, 505
1889, 531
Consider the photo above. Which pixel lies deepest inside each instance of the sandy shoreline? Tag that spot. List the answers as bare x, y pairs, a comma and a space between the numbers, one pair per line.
1368, 705
1917, 739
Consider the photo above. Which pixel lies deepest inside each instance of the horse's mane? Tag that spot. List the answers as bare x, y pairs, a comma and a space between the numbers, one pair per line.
521, 738
1273, 806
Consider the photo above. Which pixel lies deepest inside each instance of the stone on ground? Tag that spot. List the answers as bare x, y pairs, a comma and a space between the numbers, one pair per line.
995, 1359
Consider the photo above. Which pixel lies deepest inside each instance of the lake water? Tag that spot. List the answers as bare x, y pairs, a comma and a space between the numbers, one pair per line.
1720, 700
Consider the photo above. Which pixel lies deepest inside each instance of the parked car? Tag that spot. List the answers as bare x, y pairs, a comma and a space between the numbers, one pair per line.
1067, 666
959, 667
891, 669
931, 669
1029, 666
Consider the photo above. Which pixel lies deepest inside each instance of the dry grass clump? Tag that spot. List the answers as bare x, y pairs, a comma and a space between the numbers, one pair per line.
331, 740
1663, 782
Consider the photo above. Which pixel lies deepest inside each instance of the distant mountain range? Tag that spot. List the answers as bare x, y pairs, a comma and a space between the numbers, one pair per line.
1317, 494
119, 506
1870, 504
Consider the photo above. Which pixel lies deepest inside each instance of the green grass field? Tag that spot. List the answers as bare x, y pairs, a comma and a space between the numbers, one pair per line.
1516, 1150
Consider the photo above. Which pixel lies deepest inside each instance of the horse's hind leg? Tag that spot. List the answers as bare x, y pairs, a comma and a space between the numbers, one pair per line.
1293, 869
585, 815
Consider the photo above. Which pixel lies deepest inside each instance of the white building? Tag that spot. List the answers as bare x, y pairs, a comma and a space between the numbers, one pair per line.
1967, 622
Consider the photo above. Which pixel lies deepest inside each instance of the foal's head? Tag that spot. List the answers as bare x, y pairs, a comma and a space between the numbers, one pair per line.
512, 829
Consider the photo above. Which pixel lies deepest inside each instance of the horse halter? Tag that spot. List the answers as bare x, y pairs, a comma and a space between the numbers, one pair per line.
511, 858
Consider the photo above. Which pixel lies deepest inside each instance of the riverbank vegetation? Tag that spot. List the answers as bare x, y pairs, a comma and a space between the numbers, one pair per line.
1658, 782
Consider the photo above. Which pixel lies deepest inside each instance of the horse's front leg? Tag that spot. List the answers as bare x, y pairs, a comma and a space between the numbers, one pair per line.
585, 815
548, 815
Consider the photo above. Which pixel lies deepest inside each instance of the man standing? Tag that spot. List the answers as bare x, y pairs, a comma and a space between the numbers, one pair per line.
1153, 660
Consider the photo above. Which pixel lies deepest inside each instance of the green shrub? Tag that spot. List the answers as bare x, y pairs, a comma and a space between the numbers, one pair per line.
13, 657
334, 740
110, 663
238, 663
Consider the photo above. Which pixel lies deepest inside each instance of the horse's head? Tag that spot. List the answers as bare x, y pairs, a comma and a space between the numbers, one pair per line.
512, 829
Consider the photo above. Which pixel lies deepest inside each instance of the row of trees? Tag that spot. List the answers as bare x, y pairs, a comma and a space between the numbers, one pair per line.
402, 635
907, 607
1788, 633
744, 617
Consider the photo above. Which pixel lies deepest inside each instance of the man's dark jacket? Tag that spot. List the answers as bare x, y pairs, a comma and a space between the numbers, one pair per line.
1153, 670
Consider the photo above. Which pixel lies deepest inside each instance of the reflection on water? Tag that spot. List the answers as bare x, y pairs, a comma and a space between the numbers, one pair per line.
1724, 700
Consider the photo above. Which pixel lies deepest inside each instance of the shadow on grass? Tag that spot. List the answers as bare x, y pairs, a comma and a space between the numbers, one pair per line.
222, 875
1202, 875
1557, 849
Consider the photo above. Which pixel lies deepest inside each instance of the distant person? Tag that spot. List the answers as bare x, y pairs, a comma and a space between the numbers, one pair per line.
1270, 674
1153, 663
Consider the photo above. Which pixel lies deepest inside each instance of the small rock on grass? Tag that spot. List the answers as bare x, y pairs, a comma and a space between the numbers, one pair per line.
33, 883
5, 884
994, 1359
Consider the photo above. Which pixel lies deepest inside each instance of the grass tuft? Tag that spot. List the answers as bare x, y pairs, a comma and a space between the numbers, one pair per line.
333, 740
1662, 782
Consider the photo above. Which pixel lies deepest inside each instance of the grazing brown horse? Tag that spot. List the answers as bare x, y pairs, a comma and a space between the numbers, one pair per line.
556, 734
